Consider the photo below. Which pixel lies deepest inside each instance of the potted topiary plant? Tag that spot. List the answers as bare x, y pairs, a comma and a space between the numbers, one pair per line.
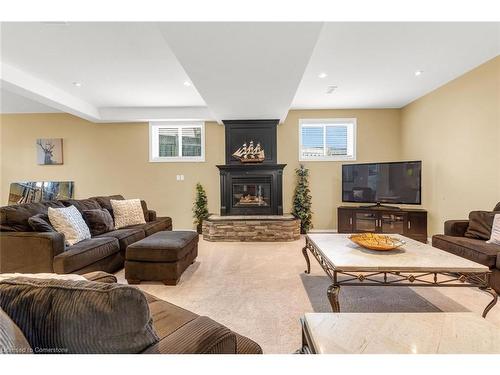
302, 200
200, 207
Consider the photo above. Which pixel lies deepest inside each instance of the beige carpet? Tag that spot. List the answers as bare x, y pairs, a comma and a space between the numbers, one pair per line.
260, 290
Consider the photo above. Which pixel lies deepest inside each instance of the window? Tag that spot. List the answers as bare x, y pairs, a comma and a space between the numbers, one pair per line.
327, 139
176, 141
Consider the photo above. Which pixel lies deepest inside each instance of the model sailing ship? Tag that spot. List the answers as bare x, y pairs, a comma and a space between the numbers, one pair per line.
250, 154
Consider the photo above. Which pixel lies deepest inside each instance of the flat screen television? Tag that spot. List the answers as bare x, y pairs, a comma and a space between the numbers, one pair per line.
396, 182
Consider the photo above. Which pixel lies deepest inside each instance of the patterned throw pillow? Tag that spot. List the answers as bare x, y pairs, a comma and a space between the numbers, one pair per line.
495, 231
69, 221
127, 212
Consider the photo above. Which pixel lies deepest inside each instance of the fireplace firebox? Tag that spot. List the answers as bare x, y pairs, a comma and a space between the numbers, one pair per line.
251, 180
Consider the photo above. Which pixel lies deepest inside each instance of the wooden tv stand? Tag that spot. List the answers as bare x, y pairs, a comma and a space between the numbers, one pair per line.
409, 222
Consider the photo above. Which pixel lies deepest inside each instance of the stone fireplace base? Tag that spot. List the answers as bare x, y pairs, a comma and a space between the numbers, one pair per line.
251, 228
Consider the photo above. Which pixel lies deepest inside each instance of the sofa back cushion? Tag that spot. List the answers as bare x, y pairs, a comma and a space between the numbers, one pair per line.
145, 210
105, 202
99, 221
79, 316
82, 204
40, 223
15, 218
12, 340
480, 224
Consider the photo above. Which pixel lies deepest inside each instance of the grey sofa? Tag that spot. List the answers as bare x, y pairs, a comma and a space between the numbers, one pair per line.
23, 250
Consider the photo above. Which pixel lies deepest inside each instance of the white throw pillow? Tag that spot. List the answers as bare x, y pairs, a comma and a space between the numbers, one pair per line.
495, 231
69, 221
127, 212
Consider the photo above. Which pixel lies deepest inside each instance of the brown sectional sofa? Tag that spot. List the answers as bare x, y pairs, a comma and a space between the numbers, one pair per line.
22, 250
179, 331
454, 241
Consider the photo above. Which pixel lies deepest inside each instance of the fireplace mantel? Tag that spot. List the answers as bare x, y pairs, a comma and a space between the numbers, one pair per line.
251, 187
250, 167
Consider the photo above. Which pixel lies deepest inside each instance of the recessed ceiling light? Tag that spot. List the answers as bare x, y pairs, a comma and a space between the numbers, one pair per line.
77, 84
419, 72
187, 83
322, 75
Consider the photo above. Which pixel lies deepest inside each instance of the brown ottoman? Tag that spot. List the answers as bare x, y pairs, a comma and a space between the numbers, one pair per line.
162, 256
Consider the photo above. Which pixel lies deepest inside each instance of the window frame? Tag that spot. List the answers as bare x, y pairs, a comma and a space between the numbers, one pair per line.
324, 122
154, 141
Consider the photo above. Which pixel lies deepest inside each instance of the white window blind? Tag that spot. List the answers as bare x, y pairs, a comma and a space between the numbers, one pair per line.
176, 141
327, 139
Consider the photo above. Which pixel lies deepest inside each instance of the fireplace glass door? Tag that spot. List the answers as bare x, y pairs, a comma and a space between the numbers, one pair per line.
251, 195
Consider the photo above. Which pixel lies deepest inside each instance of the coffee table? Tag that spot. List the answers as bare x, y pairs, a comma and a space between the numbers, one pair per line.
398, 333
414, 264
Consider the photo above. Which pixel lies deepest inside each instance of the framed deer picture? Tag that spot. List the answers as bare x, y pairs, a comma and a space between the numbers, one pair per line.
49, 151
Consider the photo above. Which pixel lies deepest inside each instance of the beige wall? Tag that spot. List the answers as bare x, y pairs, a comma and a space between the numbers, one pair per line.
378, 139
109, 159
113, 158
455, 131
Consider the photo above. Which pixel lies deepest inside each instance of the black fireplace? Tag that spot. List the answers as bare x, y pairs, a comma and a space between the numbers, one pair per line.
251, 180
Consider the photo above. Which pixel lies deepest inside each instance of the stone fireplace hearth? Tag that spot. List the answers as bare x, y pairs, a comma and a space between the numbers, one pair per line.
251, 191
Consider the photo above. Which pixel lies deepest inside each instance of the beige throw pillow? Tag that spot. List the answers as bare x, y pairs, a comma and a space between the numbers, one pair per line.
127, 212
495, 231
69, 221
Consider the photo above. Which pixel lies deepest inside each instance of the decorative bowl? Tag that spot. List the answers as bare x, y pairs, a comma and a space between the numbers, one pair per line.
377, 242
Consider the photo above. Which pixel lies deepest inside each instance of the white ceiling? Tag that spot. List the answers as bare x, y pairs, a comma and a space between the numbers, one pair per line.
118, 64
245, 70
13, 103
137, 71
373, 65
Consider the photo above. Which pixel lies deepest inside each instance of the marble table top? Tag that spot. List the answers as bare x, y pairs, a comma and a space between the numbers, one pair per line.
414, 256
402, 333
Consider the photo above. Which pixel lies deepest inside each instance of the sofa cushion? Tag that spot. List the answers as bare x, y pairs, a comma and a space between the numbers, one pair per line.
151, 227
125, 236
165, 246
12, 340
82, 204
69, 221
69, 316
85, 253
40, 223
105, 202
476, 250
167, 317
15, 218
181, 331
145, 210
480, 223
99, 221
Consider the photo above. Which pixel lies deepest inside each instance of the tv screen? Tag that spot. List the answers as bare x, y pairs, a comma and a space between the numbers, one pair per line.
398, 183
